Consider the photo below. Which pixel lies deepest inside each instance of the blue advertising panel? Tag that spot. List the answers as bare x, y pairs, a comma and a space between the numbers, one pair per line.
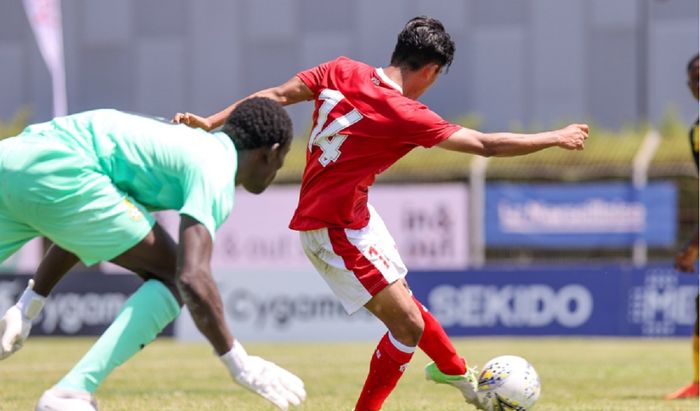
580, 215
82, 303
561, 300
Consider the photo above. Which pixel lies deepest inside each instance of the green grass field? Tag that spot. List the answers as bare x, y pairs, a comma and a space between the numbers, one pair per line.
577, 374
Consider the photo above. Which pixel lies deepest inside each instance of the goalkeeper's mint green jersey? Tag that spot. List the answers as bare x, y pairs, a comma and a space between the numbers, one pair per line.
158, 164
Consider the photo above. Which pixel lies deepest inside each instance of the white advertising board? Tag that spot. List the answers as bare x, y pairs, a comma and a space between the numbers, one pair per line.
283, 305
428, 223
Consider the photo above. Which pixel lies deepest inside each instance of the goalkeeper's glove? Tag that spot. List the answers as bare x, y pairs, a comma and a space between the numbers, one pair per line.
264, 378
17, 321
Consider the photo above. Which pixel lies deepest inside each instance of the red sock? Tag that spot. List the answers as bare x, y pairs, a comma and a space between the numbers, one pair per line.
387, 366
436, 345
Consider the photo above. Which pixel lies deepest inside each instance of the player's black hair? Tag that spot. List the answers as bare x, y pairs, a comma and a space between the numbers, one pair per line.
692, 62
258, 122
422, 41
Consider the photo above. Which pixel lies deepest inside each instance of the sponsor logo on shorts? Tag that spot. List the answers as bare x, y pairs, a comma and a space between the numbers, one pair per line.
134, 213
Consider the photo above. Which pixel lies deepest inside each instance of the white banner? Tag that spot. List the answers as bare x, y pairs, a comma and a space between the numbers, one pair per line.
428, 223
45, 18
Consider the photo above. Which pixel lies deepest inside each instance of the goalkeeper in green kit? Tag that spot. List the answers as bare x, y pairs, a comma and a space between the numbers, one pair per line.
88, 181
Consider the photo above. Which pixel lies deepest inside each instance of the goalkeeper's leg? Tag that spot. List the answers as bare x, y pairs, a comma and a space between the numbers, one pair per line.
153, 306
143, 316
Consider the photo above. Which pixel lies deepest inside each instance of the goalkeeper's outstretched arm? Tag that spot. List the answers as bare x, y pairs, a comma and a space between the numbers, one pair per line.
197, 286
201, 295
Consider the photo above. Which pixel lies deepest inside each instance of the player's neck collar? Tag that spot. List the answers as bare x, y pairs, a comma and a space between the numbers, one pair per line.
382, 75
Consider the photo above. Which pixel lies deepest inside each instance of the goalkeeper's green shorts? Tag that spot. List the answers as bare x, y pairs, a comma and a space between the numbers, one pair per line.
49, 190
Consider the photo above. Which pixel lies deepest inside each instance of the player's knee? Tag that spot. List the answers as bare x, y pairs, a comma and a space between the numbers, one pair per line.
410, 329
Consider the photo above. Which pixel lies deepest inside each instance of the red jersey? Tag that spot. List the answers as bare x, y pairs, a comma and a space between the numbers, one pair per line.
362, 124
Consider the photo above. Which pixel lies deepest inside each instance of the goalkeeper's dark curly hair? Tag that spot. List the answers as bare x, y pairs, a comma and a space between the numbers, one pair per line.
258, 122
422, 41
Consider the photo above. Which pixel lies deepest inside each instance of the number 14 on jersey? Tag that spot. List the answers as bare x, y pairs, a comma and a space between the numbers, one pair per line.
327, 138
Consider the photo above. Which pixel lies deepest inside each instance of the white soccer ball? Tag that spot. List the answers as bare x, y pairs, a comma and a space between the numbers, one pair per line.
508, 382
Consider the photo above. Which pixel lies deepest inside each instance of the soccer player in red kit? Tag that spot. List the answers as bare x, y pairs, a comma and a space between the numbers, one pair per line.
365, 119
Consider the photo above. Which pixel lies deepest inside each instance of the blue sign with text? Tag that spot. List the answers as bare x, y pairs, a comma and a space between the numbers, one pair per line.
580, 215
561, 300
82, 303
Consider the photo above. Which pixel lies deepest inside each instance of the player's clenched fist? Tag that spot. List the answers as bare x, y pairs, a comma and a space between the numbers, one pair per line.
17, 321
264, 378
573, 136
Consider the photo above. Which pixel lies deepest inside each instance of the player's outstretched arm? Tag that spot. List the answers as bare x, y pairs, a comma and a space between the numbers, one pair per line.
199, 291
196, 285
571, 137
291, 92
